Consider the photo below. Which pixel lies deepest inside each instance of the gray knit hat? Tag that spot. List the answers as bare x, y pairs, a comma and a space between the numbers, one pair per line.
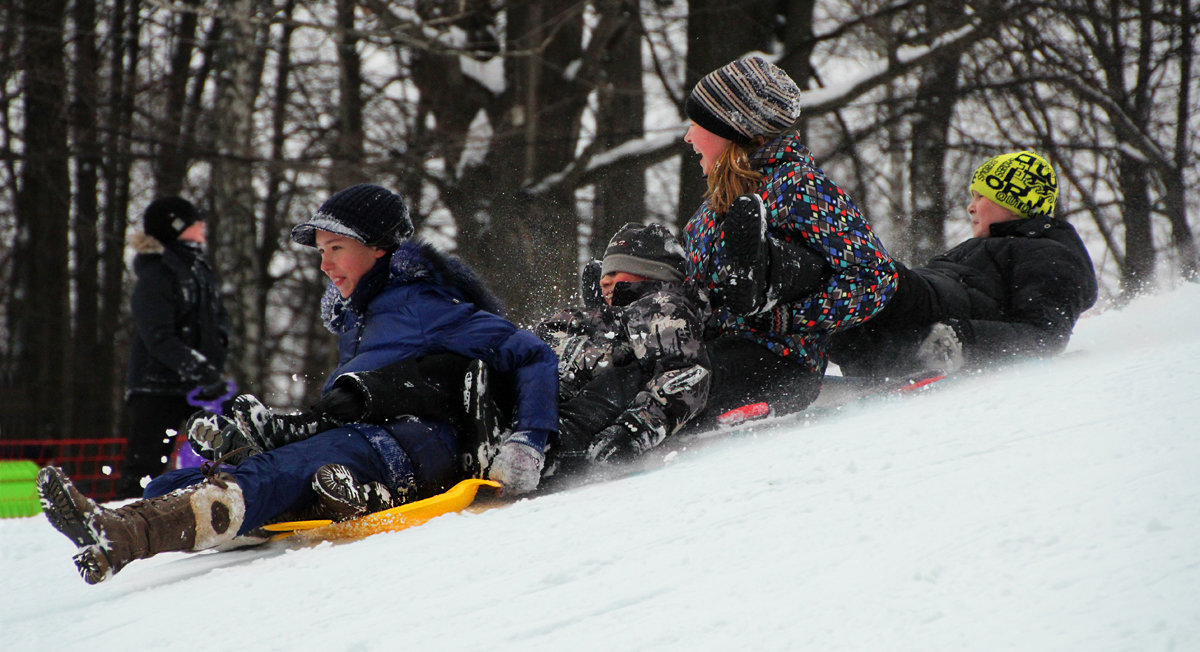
746, 98
646, 250
371, 214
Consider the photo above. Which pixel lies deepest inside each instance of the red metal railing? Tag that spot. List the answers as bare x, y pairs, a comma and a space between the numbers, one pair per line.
93, 464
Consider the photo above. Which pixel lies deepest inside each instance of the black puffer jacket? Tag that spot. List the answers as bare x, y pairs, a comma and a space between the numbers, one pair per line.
1018, 292
181, 328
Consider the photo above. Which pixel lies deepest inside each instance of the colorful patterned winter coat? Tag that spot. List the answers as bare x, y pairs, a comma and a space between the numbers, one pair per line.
802, 206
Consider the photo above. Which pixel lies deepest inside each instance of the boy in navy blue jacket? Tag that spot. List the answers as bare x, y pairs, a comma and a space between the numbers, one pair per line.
390, 299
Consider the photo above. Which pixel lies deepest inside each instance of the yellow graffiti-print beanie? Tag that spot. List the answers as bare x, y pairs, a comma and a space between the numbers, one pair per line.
1022, 181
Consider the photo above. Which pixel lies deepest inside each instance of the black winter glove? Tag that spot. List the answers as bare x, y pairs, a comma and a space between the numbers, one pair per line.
623, 441
341, 405
212, 391
589, 285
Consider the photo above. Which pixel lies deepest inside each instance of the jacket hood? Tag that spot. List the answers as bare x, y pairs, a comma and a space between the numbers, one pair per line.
414, 261
784, 149
144, 243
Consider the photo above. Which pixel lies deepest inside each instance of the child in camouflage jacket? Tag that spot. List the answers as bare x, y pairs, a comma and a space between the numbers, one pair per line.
633, 368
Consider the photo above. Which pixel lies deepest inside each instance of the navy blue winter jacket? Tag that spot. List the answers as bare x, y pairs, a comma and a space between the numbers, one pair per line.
420, 302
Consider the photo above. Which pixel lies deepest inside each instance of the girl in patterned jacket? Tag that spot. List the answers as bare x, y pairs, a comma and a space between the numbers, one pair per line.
782, 252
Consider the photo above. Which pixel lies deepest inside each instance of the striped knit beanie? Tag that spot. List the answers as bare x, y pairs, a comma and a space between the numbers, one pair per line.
1020, 181
746, 98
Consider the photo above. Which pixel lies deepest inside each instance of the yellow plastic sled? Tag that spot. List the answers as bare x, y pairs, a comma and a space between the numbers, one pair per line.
458, 498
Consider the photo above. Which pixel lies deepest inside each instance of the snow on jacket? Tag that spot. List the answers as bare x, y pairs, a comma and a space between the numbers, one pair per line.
802, 206
181, 328
421, 301
657, 325
1018, 292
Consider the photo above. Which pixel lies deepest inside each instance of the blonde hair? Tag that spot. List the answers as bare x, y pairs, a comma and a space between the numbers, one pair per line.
731, 175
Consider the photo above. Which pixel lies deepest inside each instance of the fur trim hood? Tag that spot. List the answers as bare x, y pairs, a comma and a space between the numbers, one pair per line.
414, 261
144, 243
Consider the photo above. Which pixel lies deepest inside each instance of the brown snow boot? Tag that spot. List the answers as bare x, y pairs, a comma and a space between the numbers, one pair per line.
198, 517
67, 509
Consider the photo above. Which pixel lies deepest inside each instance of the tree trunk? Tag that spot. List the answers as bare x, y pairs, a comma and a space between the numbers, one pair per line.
925, 235
92, 382
621, 196
232, 219
1176, 195
1138, 273
43, 212
347, 168
115, 140
718, 31
173, 150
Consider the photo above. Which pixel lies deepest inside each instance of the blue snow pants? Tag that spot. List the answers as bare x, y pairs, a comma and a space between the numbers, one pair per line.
280, 480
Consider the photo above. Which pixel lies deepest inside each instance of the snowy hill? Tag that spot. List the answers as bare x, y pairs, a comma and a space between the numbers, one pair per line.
1051, 505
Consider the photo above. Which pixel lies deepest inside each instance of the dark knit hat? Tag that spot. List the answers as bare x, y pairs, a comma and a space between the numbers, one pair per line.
646, 250
165, 218
746, 98
1023, 182
371, 214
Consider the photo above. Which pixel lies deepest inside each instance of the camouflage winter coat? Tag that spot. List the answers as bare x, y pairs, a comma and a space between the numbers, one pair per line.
802, 206
655, 324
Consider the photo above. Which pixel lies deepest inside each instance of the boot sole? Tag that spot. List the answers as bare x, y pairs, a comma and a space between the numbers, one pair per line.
336, 493
92, 564
61, 510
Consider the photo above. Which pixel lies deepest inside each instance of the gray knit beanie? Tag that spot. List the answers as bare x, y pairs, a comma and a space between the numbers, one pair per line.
646, 250
743, 99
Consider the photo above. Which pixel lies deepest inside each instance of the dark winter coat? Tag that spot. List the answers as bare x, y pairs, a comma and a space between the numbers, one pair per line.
1018, 292
181, 328
656, 325
421, 301
802, 206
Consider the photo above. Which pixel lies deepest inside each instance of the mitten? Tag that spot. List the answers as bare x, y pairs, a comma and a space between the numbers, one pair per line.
589, 284
623, 441
942, 349
744, 256
519, 462
341, 405
212, 391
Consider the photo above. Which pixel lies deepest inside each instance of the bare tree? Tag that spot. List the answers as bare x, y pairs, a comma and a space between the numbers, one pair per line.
41, 291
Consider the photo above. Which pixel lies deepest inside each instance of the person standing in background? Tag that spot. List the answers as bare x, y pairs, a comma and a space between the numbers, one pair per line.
180, 335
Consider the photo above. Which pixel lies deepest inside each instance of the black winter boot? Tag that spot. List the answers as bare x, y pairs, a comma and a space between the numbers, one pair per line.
594, 408
215, 437
198, 517
762, 270
264, 430
342, 496
481, 438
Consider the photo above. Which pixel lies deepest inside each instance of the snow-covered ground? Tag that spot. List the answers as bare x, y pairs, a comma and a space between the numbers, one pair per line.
1051, 505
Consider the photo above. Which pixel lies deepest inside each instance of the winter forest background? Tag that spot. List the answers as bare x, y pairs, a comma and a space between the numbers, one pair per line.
523, 134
